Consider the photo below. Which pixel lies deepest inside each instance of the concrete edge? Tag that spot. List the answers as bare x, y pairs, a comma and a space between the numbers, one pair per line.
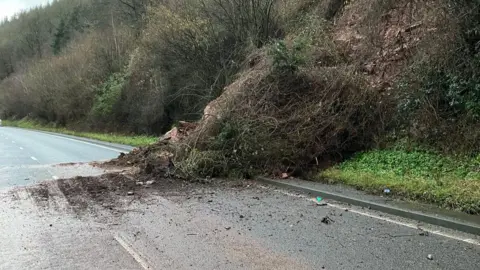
414, 215
120, 147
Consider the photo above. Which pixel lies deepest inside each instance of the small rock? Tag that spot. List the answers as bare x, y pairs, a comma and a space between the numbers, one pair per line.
51, 225
423, 233
130, 193
346, 210
228, 228
242, 216
340, 214
327, 220
139, 183
256, 198
209, 201
430, 257
151, 182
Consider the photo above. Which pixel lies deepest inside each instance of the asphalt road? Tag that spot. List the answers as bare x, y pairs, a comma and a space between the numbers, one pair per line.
27, 157
92, 223
67, 225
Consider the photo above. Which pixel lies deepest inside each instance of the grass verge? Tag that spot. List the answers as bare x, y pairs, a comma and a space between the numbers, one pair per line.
449, 182
106, 137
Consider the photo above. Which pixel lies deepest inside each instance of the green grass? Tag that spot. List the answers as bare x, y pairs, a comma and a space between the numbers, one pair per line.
106, 137
449, 182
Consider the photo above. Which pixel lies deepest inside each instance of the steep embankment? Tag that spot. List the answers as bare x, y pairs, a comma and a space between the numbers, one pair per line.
358, 81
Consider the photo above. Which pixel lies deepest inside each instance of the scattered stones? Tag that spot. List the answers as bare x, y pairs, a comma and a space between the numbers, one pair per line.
151, 182
228, 228
130, 193
430, 257
139, 183
242, 216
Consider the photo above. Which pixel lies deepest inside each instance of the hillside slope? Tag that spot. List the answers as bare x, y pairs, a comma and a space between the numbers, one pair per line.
285, 88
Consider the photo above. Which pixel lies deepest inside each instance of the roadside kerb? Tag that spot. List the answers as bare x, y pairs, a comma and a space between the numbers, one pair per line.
415, 215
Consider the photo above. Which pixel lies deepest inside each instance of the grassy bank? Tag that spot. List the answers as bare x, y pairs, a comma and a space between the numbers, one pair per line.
446, 181
106, 137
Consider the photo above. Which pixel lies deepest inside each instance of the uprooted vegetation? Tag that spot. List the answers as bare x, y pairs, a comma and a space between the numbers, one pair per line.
269, 87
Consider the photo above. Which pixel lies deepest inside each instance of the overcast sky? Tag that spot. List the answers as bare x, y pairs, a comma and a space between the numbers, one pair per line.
10, 7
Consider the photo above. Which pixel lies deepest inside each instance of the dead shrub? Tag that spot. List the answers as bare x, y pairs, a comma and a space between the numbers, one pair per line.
189, 51
287, 122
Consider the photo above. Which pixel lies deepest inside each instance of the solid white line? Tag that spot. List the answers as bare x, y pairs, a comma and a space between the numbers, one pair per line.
411, 225
139, 258
372, 215
101, 146
34, 158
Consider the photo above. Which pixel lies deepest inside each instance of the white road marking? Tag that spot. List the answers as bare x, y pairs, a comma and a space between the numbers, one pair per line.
410, 225
401, 223
101, 146
135, 254
34, 158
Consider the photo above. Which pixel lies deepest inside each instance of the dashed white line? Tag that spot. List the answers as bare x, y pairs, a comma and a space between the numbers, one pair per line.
34, 158
136, 255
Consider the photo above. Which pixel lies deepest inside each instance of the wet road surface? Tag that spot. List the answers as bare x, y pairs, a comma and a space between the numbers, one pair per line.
176, 225
27, 157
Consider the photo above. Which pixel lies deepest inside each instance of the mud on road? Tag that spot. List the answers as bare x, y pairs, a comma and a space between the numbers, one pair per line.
125, 221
